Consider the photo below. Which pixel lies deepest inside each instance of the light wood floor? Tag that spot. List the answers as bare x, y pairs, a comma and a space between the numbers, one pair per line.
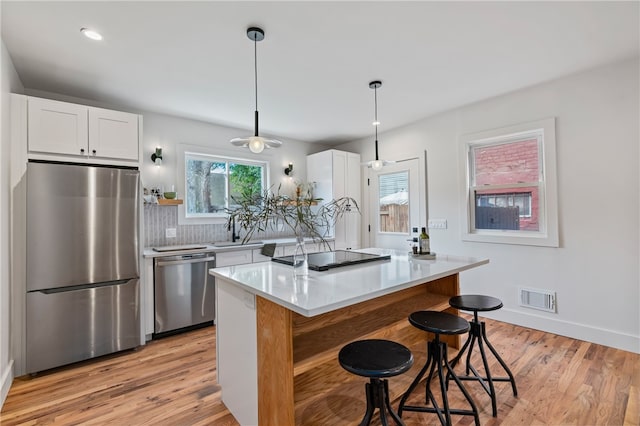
173, 382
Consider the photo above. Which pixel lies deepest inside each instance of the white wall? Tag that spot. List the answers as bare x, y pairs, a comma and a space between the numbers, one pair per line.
166, 132
595, 272
10, 83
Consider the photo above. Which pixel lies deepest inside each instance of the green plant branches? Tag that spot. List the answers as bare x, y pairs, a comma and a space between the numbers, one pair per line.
306, 217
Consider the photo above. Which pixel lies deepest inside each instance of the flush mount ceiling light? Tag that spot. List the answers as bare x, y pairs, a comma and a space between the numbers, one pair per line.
256, 143
377, 164
93, 35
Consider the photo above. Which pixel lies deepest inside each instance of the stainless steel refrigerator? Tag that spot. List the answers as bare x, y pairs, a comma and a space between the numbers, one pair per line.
82, 262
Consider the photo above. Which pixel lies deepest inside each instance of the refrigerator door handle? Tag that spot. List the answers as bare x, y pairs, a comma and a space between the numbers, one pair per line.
82, 287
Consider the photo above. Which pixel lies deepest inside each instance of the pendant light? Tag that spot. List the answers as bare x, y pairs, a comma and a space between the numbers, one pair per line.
256, 143
377, 164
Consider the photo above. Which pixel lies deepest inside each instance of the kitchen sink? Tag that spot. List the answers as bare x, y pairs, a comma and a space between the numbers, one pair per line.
237, 243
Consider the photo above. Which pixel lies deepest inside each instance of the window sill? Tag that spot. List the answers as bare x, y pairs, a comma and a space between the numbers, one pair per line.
509, 237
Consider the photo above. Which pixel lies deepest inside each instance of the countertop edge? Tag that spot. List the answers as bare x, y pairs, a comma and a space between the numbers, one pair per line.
354, 300
389, 290
148, 252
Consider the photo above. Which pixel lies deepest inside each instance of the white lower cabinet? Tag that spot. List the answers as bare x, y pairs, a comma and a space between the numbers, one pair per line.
148, 308
230, 258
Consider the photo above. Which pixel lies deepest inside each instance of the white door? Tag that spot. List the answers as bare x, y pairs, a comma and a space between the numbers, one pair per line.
396, 194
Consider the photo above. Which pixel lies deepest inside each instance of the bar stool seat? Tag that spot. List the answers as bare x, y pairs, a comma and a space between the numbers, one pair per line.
376, 359
477, 332
438, 323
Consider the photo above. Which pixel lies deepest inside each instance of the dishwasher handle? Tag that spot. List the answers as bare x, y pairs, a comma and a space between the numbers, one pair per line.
185, 261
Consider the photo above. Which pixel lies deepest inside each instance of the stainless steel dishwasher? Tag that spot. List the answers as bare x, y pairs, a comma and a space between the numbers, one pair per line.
184, 292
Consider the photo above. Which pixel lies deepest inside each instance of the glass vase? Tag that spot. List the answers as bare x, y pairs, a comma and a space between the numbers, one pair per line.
300, 261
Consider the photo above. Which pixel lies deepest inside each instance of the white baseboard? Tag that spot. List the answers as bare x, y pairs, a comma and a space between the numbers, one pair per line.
7, 380
601, 336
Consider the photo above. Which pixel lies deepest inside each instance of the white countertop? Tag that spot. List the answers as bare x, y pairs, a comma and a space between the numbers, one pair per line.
328, 290
150, 252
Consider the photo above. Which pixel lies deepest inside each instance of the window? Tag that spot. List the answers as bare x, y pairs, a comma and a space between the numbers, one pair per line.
510, 194
211, 183
394, 202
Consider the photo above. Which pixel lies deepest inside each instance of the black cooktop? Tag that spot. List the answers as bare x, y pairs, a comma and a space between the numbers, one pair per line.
333, 259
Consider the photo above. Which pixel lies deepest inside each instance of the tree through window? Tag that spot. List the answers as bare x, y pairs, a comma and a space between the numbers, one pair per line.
212, 183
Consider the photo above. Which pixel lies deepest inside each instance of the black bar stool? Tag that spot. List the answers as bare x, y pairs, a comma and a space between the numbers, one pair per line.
477, 332
438, 323
377, 360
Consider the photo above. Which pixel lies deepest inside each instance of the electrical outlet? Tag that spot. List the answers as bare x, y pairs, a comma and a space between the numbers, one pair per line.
170, 232
437, 224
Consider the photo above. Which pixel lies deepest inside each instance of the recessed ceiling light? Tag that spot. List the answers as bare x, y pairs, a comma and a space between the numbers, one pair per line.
93, 35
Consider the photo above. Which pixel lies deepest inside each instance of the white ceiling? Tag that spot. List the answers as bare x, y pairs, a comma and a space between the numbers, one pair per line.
193, 59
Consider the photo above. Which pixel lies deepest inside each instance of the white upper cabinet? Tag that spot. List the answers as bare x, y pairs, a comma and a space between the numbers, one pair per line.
57, 127
337, 174
65, 129
113, 134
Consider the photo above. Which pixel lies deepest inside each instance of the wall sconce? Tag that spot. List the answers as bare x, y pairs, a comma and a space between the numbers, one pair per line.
289, 170
156, 157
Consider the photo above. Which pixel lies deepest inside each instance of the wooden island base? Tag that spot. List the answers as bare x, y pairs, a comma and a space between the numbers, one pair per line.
299, 378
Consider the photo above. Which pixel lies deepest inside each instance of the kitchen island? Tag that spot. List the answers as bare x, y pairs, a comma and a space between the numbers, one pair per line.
278, 337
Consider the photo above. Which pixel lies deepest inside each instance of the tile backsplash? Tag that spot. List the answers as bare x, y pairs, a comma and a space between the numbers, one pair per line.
158, 218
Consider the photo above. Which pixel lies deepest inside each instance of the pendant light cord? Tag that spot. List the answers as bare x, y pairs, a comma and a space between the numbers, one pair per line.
375, 95
255, 79
255, 68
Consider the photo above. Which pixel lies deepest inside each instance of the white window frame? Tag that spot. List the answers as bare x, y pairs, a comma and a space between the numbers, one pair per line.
209, 155
547, 235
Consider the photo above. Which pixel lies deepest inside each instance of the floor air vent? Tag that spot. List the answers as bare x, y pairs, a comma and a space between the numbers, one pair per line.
543, 300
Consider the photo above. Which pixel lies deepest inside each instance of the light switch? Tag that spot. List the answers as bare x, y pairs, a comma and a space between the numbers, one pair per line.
170, 232
437, 224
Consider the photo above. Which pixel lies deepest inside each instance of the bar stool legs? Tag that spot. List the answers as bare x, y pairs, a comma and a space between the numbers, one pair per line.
377, 394
478, 333
437, 359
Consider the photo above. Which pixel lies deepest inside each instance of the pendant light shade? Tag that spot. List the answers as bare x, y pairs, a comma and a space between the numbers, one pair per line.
256, 143
377, 164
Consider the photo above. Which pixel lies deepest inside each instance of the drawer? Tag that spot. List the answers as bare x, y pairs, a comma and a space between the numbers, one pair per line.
230, 258
311, 248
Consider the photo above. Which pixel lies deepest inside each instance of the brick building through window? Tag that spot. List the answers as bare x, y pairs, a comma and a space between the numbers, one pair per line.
510, 172
511, 194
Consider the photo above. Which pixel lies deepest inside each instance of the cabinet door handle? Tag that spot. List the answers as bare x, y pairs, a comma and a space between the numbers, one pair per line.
94, 152
81, 150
